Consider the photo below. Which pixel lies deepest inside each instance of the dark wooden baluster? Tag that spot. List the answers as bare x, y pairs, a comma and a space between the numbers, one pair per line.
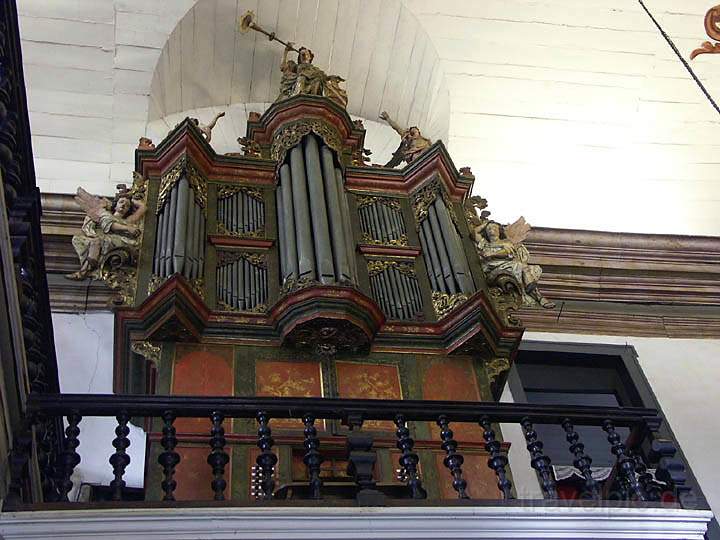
497, 461
266, 460
312, 458
645, 478
218, 458
120, 460
453, 461
169, 458
70, 457
409, 460
582, 461
625, 463
539, 461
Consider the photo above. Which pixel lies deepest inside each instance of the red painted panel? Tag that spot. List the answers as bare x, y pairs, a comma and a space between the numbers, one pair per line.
193, 474
369, 381
206, 372
288, 379
452, 379
481, 479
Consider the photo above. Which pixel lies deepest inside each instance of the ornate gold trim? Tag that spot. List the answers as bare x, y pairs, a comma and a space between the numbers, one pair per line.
147, 350
257, 233
228, 257
368, 200
367, 239
260, 308
290, 135
293, 284
495, 368
197, 182
155, 282
444, 303
376, 267
228, 190
425, 196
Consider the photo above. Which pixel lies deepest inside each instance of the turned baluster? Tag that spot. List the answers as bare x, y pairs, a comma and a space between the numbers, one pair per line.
497, 461
582, 461
625, 463
645, 478
218, 458
266, 460
169, 458
120, 460
312, 457
70, 458
409, 460
453, 461
538, 460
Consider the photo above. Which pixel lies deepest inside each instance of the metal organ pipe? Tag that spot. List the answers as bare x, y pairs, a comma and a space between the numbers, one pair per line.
318, 211
337, 228
289, 221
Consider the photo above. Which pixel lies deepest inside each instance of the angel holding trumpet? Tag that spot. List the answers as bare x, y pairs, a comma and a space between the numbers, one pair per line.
108, 226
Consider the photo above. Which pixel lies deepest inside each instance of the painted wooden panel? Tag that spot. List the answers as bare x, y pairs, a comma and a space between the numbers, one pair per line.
452, 379
288, 379
193, 474
369, 381
481, 480
206, 372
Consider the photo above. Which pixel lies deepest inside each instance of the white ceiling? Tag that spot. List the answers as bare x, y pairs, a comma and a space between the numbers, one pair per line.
378, 46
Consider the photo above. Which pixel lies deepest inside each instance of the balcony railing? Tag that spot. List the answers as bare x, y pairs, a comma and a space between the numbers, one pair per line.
641, 452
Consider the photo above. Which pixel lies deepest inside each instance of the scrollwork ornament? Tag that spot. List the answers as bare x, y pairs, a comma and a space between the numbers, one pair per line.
495, 368
147, 350
425, 197
228, 257
444, 303
257, 233
369, 240
291, 135
155, 282
294, 284
197, 182
260, 308
378, 266
225, 191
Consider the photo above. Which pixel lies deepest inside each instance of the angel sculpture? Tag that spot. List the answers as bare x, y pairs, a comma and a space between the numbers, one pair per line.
505, 260
412, 143
110, 227
303, 77
206, 129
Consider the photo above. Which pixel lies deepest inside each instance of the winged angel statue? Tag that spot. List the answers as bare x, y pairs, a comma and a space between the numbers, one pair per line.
111, 231
505, 260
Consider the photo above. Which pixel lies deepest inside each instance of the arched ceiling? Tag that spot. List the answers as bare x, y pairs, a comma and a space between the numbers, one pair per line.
378, 46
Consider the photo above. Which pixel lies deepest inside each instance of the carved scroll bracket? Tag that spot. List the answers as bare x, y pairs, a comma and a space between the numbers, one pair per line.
197, 182
147, 350
290, 135
444, 303
425, 196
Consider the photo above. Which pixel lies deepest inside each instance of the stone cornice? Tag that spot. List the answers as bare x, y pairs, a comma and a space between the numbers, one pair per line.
603, 283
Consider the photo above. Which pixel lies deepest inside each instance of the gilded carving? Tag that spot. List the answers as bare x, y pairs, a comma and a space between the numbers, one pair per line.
111, 235
197, 182
504, 258
227, 191
147, 350
293, 284
154, 284
495, 368
377, 266
290, 135
369, 240
257, 233
425, 196
712, 29
250, 148
300, 77
444, 303
412, 143
260, 308
228, 257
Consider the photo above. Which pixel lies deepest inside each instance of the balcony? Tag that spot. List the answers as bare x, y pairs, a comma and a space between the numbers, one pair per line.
645, 496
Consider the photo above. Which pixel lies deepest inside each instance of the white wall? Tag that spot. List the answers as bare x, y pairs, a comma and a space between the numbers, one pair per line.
84, 347
684, 375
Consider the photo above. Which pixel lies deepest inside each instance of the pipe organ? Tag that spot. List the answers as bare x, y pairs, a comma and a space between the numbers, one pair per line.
297, 270
181, 224
240, 211
314, 235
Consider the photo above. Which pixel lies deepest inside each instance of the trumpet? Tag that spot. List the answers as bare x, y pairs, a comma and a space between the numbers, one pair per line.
247, 22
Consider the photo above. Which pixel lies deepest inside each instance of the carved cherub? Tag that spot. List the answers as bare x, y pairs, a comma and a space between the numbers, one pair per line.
206, 130
504, 258
108, 226
412, 143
